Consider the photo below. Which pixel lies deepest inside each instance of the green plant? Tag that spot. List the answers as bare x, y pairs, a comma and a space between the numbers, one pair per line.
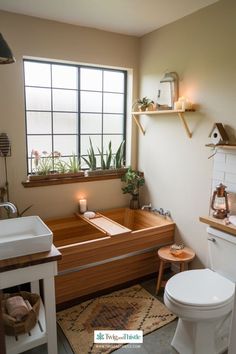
134, 180
144, 102
61, 166
119, 156
91, 161
73, 165
106, 161
45, 164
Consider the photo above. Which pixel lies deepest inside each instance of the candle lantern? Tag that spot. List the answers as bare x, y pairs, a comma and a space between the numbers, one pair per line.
219, 202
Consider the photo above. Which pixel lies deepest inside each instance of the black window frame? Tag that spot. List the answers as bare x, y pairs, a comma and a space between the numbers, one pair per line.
79, 112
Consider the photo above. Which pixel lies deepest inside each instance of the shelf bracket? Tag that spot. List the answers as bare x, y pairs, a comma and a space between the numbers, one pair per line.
178, 112
181, 116
136, 119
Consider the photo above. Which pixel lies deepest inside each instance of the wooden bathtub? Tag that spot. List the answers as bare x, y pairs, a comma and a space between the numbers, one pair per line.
93, 259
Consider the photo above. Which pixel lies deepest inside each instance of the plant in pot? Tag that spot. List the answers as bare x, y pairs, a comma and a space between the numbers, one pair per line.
145, 104
106, 159
91, 161
133, 181
119, 156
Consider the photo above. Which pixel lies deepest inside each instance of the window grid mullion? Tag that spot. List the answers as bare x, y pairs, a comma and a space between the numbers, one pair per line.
79, 112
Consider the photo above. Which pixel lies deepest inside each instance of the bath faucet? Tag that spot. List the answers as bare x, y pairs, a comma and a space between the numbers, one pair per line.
159, 211
148, 207
9, 205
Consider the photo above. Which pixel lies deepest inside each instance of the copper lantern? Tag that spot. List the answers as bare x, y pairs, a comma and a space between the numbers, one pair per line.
219, 202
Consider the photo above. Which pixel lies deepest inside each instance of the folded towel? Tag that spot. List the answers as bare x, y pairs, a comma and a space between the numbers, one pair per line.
16, 307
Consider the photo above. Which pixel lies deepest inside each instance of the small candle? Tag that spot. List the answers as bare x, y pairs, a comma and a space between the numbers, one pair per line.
178, 105
83, 205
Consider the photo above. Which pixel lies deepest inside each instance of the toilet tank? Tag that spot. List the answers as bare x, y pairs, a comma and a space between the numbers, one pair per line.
222, 253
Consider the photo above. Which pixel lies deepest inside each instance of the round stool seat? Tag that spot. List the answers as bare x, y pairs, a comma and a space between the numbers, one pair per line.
201, 287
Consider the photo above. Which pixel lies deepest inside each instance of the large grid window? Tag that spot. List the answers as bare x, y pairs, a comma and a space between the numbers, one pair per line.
67, 105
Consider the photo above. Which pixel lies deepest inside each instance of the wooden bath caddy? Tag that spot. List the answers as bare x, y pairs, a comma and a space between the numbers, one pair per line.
106, 225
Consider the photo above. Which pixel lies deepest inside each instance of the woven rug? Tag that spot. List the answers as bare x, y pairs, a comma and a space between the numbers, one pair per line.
129, 309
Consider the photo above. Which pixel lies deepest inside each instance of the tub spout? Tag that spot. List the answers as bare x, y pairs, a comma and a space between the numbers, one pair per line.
148, 207
9, 205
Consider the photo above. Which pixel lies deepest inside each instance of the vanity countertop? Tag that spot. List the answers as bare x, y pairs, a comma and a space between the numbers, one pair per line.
219, 224
30, 260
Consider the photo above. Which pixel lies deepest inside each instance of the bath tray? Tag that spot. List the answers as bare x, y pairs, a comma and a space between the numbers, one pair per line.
106, 225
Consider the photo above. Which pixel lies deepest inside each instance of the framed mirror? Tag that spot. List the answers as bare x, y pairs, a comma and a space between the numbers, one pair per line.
168, 91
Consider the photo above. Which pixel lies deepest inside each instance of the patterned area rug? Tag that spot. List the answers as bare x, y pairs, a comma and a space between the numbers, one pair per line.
131, 308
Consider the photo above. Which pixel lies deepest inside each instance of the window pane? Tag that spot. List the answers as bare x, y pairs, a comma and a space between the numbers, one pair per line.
91, 102
38, 122
91, 123
40, 143
96, 142
113, 103
37, 74
64, 76
38, 99
116, 141
65, 144
113, 123
64, 100
65, 123
91, 79
113, 81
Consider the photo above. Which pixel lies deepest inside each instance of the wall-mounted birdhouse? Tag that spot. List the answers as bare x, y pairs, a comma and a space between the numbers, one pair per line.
218, 134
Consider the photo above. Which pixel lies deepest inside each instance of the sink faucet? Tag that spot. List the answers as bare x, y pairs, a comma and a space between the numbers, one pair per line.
9, 205
148, 207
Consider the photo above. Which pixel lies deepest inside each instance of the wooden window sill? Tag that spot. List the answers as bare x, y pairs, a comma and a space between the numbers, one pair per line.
51, 182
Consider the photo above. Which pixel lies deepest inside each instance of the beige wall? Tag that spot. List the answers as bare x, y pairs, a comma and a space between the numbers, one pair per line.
28, 36
201, 49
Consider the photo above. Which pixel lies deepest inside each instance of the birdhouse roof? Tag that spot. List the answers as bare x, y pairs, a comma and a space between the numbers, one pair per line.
221, 130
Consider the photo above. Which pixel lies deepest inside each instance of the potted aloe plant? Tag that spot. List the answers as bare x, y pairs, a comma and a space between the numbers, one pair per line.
133, 181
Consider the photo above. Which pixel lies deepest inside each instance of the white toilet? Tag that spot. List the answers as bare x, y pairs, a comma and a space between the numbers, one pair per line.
203, 299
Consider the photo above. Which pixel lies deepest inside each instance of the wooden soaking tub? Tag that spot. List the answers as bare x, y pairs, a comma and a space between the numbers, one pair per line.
118, 246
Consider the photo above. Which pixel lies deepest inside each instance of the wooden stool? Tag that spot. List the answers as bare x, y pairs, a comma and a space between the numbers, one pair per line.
166, 257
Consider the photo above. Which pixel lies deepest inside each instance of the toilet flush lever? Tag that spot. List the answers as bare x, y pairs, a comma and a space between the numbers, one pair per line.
212, 239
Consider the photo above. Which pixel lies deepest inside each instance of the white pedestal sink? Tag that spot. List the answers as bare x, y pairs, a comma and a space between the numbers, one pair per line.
23, 236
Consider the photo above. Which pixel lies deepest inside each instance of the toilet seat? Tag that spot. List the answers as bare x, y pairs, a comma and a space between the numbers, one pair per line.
201, 288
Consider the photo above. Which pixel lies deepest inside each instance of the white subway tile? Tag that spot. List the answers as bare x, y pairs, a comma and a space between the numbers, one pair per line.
231, 159
219, 166
231, 187
230, 177
219, 175
219, 157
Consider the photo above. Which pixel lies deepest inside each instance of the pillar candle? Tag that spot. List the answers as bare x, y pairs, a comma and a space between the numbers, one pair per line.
83, 205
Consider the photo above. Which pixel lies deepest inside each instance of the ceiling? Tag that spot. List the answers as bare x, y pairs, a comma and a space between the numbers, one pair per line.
131, 17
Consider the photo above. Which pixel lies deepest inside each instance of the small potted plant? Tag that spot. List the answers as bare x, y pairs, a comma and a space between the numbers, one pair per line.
133, 181
91, 161
145, 104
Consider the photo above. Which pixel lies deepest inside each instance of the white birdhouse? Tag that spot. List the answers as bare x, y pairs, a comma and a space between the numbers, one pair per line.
218, 134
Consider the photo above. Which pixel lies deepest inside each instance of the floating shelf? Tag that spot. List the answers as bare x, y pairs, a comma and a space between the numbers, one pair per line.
222, 146
179, 112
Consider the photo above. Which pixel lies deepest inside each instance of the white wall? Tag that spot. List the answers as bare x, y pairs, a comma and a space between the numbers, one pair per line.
33, 37
202, 50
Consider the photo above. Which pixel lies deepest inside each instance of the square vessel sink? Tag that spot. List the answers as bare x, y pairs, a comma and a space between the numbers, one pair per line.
23, 236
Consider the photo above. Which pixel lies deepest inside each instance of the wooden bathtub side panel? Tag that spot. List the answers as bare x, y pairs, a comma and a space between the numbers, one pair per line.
88, 281
83, 254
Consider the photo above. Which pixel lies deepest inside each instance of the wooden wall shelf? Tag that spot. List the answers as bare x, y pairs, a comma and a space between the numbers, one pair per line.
222, 146
179, 112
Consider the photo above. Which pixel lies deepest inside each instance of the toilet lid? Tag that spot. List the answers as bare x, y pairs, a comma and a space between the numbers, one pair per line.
201, 287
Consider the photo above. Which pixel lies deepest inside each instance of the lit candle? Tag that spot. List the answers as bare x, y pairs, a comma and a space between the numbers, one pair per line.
83, 205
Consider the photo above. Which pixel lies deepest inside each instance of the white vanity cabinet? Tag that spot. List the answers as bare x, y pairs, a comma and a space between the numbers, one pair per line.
31, 269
